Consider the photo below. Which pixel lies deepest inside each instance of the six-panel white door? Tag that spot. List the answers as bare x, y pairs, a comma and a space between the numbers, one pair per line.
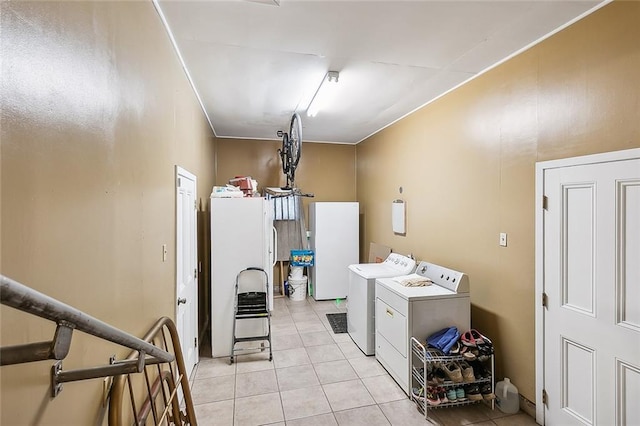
592, 286
186, 265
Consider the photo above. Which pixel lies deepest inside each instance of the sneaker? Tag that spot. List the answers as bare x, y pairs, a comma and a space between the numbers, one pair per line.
432, 396
473, 393
418, 394
467, 372
460, 396
486, 392
452, 370
451, 395
431, 379
439, 375
479, 371
442, 395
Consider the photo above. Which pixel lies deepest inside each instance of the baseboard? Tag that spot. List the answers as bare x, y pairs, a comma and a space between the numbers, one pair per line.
527, 406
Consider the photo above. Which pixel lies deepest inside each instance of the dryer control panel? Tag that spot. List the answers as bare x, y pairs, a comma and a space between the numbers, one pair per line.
448, 278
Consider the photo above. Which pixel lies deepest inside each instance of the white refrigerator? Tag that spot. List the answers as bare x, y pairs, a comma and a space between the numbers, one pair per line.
334, 238
242, 236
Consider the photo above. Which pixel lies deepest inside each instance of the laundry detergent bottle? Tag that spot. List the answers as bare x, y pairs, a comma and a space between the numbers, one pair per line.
507, 397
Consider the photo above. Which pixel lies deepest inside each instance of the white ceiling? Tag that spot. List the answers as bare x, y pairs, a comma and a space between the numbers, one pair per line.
253, 64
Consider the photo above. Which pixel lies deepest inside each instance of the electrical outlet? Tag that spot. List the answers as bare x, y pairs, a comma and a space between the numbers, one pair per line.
503, 239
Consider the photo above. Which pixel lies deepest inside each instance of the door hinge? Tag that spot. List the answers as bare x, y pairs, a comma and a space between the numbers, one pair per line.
544, 397
545, 300
179, 182
195, 204
195, 342
195, 273
545, 202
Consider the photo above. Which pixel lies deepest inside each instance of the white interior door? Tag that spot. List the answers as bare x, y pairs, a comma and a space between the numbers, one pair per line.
187, 257
591, 280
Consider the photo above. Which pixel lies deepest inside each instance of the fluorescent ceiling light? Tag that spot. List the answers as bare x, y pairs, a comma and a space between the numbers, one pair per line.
325, 93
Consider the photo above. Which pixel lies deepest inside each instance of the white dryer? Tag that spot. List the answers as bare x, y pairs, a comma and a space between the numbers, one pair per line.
361, 296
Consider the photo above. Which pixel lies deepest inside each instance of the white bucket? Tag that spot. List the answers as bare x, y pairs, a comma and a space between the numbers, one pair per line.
297, 288
296, 272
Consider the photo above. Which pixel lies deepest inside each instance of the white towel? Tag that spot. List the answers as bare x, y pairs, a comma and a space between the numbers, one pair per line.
412, 280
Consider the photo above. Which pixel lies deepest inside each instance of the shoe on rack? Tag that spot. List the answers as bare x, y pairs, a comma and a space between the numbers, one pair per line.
474, 339
469, 353
431, 379
467, 372
483, 343
486, 392
460, 396
473, 393
418, 394
479, 370
442, 395
452, 370
439, 374
451, 395
432, 396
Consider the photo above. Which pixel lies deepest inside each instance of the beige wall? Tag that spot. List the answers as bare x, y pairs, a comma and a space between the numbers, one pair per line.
325, 170
466, 164
96, 113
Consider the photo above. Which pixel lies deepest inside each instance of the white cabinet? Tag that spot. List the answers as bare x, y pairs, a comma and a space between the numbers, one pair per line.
403, 312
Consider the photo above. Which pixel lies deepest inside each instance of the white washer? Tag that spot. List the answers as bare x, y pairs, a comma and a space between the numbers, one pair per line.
361, 297
405, 312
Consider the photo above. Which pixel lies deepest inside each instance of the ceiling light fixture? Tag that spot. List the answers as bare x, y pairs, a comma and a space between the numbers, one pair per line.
325, 93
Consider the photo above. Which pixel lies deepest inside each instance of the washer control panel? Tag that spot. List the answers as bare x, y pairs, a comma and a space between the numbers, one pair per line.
404, 264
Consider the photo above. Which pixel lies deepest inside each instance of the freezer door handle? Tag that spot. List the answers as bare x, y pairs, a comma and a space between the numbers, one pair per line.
274, 245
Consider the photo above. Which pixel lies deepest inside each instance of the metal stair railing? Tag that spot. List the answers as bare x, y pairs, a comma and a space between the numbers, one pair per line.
165, 380
146, 355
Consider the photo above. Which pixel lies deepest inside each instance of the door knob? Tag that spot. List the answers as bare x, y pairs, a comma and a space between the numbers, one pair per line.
183, 300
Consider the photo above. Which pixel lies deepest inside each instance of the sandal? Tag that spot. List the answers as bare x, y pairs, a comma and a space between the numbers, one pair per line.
485, 348
472, 338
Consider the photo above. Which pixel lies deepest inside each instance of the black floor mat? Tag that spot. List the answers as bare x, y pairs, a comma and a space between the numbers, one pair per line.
338, 322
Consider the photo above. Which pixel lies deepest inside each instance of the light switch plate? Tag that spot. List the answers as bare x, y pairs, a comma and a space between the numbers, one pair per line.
503, 239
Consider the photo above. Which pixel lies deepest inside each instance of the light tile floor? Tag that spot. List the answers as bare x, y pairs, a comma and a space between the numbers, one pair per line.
316, 378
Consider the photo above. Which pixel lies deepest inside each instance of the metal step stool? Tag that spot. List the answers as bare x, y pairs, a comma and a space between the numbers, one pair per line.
249, 305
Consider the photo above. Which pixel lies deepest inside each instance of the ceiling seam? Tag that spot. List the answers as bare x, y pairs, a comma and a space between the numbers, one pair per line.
184, 65
514, 54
